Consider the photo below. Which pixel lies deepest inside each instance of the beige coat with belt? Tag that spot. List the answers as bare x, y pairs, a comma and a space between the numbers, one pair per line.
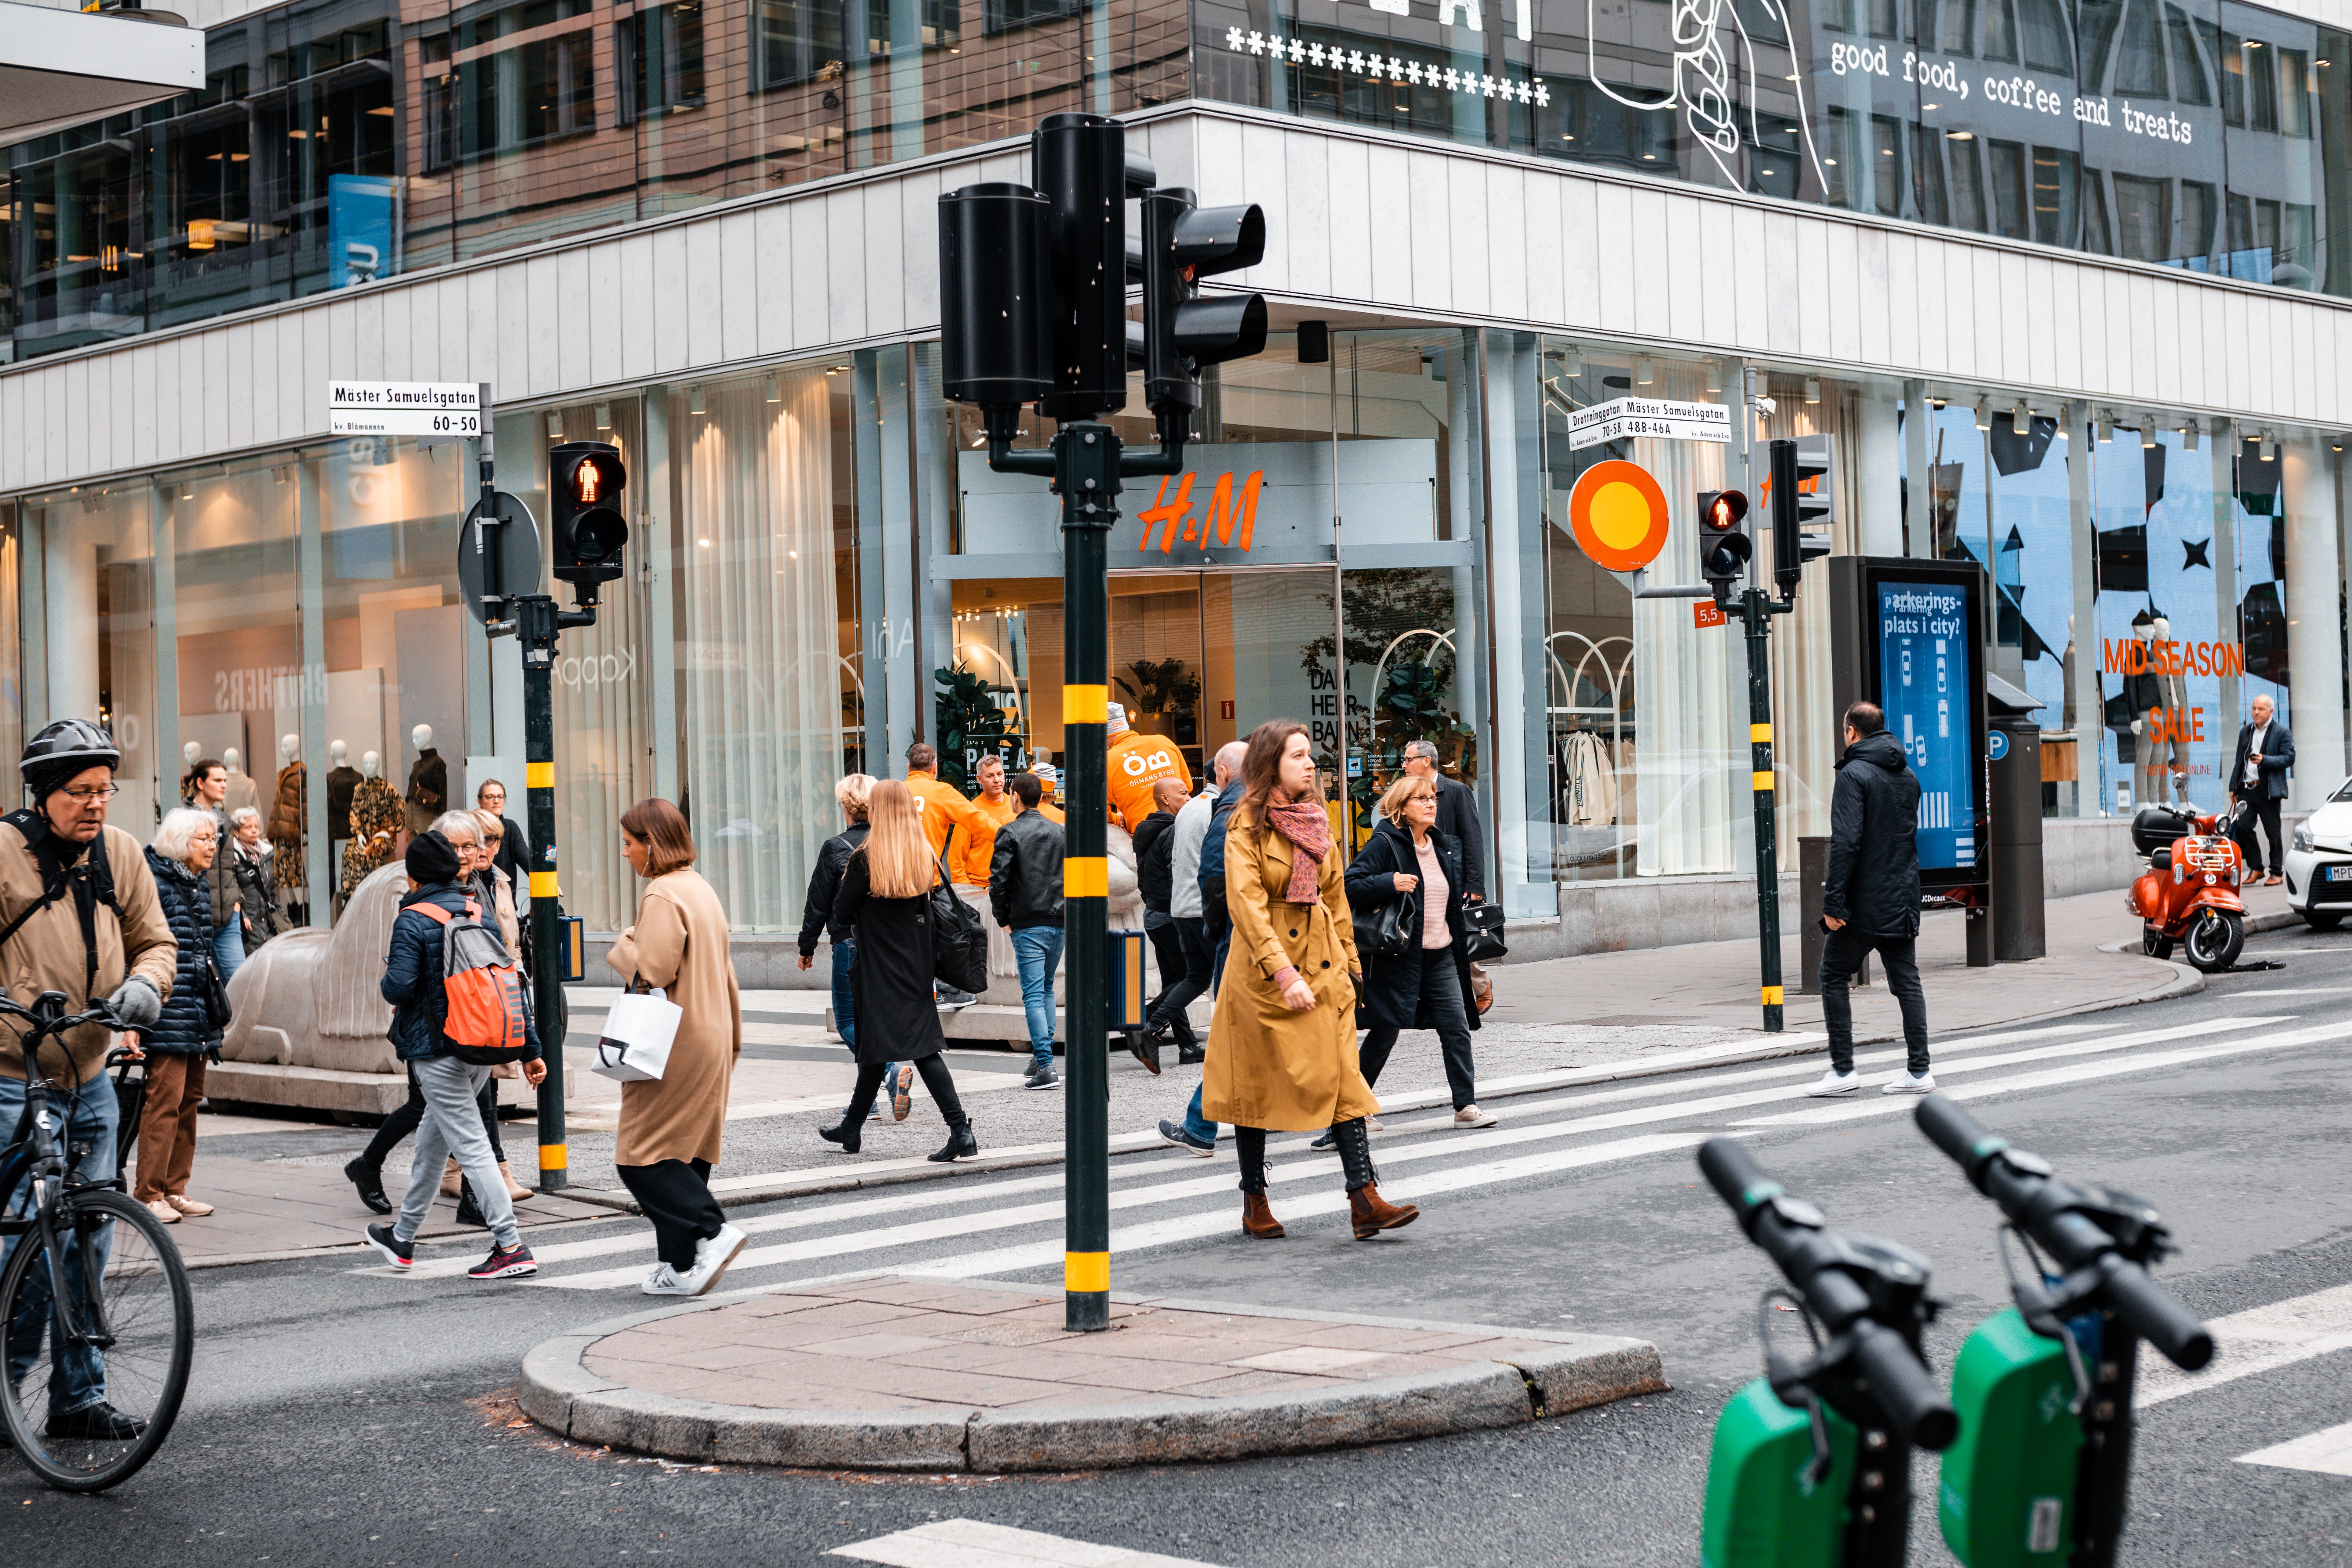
1269, 1065
679, 944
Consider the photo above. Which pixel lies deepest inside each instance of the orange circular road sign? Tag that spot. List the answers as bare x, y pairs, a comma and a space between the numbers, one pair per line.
1618, 514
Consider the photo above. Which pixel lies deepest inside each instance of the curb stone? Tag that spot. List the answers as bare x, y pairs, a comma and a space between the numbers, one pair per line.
558, 1392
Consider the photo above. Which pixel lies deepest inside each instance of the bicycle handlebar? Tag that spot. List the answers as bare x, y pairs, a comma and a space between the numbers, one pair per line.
2050, 1211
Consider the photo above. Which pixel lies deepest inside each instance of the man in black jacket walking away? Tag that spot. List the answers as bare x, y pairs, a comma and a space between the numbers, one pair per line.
1870, 900
1155, 879
1025, 891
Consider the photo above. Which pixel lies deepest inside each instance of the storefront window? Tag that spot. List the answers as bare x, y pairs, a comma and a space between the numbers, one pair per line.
765, 478
92, 610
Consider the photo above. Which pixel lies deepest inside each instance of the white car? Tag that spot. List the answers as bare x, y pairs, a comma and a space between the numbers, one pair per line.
2319, 863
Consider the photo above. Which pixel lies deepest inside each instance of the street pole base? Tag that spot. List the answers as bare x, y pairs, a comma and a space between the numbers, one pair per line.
554, 1169
1773, 1019
1087, 1311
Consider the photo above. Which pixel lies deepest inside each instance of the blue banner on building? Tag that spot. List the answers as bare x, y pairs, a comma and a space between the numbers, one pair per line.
362, 217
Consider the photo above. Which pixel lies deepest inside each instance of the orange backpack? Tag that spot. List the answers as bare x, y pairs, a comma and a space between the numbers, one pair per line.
482, 987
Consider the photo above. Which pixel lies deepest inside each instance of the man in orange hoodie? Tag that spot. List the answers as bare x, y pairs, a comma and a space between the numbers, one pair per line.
969, 864
1135, 764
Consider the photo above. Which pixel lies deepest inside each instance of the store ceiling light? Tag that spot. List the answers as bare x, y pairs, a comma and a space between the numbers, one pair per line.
2020, 420
1571, 361
2106, 427
1714, 375
187, 492
554, 424
2147, 434
603, 416
1812, 389
1644, 371
2270, 447
281, 473
775, 389
1984, 414
2189, 430
694, 398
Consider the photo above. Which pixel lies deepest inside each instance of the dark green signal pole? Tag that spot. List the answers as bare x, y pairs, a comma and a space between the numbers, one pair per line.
1757, 609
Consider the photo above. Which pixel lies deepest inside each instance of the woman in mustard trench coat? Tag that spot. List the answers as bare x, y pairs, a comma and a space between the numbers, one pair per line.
1282, 1050
671, 1125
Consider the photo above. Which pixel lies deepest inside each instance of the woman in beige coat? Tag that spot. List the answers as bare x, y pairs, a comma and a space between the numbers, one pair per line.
1282, 1042
671, 1126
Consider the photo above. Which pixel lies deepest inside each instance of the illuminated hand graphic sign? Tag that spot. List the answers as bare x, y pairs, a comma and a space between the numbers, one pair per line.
1702, 87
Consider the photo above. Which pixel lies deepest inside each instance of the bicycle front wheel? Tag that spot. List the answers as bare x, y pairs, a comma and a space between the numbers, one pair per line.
94, 1378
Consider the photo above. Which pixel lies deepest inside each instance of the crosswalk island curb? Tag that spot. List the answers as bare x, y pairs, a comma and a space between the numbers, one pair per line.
1562, 1373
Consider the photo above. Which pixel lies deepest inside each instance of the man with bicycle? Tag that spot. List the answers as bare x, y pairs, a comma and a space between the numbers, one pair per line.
80, 915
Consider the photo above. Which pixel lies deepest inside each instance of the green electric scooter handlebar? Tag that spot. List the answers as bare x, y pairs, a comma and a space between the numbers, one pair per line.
2056, 1215
1853, 1284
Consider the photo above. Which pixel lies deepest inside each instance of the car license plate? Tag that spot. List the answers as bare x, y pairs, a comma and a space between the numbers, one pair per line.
2336, 874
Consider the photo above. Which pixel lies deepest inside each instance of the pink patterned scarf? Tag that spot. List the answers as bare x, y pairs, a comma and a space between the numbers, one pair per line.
1304, 822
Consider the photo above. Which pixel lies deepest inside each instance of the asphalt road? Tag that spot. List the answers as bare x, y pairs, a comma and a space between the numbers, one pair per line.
341, 1416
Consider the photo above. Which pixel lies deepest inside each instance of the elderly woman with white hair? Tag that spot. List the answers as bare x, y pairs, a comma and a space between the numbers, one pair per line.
179, 1042
248, 853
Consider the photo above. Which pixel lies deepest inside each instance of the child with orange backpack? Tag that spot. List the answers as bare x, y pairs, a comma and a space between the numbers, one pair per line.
458, 1012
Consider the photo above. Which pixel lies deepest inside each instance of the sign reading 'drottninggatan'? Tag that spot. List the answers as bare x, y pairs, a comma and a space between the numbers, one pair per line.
1628, 418
403, 408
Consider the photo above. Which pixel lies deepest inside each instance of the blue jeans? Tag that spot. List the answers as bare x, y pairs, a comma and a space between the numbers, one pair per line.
1037, 949
79, 1378
228, 947
845, 1007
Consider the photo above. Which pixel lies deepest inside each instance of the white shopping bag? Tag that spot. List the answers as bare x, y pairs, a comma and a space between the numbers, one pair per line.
637, 1036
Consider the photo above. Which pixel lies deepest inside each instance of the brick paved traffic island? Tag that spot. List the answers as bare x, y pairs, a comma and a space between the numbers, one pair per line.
944, 1375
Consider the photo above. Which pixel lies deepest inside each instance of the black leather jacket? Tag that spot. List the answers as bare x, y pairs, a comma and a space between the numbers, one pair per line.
816, 915
1025, 878
1155, 850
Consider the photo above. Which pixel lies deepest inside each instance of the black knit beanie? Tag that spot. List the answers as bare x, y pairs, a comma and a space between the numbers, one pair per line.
431, 859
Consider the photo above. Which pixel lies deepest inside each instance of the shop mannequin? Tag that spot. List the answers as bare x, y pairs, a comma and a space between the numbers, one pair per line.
341, 779
428, 782
288, 826
2161, 754
376, 823
242, 791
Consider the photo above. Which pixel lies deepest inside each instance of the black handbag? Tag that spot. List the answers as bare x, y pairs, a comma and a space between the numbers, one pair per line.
959, 939
217, 1012
1482, 933
130, 1103
1391, 931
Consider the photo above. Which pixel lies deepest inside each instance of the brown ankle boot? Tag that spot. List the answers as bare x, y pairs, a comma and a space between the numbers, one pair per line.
1373, 1214
1257, 1219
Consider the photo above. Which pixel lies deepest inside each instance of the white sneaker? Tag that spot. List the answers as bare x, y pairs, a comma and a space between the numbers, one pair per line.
665, 1281
712, 1254
1471, 1116
1372, 1124
1835, 1082
1911, 1083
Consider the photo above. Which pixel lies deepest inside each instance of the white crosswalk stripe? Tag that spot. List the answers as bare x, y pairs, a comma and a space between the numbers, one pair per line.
988, 1223
974, 1543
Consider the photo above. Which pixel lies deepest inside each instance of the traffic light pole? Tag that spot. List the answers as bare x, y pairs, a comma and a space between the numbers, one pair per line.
538, 624
1757, 609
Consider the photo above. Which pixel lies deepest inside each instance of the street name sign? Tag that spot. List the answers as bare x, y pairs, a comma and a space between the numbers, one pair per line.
1623, 418
405, 408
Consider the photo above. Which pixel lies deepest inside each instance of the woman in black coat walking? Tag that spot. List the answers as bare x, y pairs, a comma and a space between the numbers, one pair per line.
885, 898
1428, 985
177, 1045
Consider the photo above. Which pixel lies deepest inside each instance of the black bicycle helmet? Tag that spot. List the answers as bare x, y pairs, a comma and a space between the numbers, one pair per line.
77, 742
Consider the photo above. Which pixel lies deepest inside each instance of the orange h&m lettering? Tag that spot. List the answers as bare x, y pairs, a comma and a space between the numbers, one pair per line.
1173, 515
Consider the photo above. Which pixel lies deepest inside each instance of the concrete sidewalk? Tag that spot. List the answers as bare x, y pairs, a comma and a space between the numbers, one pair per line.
281, 1188
923, 1375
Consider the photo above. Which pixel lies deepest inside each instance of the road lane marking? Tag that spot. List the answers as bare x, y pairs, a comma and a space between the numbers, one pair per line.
2259, 1340
972, 1543
2329, 1452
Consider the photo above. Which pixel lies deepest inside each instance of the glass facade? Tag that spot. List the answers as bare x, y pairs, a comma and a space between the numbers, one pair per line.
336, 142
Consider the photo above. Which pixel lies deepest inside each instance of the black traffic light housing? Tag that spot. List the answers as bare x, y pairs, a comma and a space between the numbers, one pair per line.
1184, 243
1724, 547
1032, 286
587, 522
1800, 494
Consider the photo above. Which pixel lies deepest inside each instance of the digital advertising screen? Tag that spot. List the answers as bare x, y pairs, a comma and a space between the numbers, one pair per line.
1928, 677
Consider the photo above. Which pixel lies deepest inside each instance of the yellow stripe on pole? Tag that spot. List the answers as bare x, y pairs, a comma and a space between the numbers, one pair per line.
539, 775
1085, 1272
554, 1157
543, 885
1771, 996
1086, 704
1761, 733
1761, 782
1086, 877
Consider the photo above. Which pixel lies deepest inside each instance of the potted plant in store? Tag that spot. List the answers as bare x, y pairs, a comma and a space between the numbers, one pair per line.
1164, 697
968, 720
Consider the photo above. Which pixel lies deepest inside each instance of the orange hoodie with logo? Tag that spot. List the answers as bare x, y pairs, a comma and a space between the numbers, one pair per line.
1136, 762
944, 807
975, 851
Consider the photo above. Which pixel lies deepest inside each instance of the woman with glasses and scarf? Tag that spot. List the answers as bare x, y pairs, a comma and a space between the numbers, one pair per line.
1283, 1040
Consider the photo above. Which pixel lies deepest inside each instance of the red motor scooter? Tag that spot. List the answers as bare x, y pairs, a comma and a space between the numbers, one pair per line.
2189, 894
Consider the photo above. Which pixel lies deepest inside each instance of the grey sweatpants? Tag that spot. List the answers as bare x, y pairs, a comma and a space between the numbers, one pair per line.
453, 1127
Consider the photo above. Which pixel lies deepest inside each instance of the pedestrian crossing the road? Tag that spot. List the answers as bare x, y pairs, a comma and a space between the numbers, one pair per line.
984, 1223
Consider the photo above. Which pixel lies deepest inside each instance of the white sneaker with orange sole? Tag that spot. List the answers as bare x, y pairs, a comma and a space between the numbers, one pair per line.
191, 1207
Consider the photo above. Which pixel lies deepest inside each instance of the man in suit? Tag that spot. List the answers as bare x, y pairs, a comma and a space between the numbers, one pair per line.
2258, 777
1457, 816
